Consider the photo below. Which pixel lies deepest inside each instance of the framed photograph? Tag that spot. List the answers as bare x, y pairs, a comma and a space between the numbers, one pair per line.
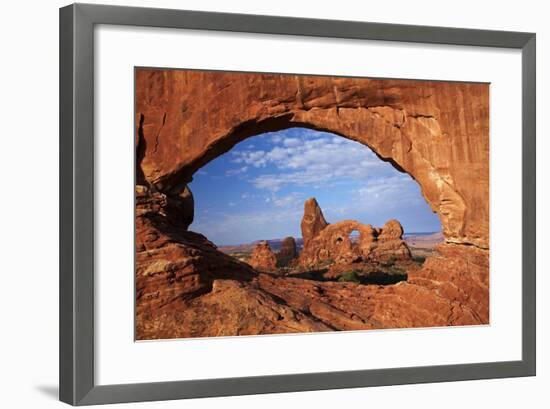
259, 204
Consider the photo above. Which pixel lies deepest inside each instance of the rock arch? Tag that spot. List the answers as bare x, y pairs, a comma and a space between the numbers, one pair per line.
437, 132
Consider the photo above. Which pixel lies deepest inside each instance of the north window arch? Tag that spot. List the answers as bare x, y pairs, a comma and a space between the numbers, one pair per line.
435, 133
190, 117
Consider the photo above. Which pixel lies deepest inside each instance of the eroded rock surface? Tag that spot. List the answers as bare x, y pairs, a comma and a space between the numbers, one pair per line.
334, 243
438, 132
187, 288
262, 258
390, 244
172, 263
313, 220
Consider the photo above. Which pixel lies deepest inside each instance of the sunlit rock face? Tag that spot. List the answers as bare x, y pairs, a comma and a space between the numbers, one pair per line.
390, 243
185, 287
262, 258
438, 132
333, 243
313, 220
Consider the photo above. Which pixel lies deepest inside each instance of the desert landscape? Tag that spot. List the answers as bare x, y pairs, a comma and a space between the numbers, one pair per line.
333, 274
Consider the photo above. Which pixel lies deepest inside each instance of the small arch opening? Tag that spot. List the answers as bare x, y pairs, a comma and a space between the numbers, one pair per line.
354, 236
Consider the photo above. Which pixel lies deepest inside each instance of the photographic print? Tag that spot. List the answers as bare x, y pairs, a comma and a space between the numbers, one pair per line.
273, 203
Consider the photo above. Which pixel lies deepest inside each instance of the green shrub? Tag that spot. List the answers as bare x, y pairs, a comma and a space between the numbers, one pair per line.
351, 276
419, 259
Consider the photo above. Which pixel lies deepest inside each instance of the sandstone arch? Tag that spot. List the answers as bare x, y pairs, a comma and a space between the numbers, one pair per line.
436, 132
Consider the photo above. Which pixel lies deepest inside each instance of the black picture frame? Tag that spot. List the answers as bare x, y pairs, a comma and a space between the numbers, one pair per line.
77, 21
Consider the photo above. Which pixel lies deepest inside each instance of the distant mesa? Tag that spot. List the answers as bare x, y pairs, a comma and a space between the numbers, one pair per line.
326, 243
262, 258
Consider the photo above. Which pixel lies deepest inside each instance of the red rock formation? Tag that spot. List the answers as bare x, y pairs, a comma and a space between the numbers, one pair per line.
288, 252
438, 132
435, 131
313, 221
390, 243
187, 288
230, 308
262, 258
171, 263
460, 274
333, 244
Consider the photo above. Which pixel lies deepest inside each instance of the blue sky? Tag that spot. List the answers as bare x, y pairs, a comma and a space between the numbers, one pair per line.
256, 190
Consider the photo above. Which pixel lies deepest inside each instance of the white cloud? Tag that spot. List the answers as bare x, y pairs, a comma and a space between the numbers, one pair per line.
235, 228
361, 187
293, 200
395, 187
291, 142
251, 158
232, 172
317, 160
384, 195
277, 154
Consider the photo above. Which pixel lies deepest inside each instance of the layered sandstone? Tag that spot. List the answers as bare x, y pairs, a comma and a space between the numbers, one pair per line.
173, 264
438, 132
435, 131
187, 288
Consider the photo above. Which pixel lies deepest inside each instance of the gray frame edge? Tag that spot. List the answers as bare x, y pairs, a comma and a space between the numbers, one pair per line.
66, 352
529, 202
76, 290
76, 280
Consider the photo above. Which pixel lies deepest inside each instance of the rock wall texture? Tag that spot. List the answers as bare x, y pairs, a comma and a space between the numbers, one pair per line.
171, 263
438, 132
262, 258
333, 242
313, 220
390, 243
185, 287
